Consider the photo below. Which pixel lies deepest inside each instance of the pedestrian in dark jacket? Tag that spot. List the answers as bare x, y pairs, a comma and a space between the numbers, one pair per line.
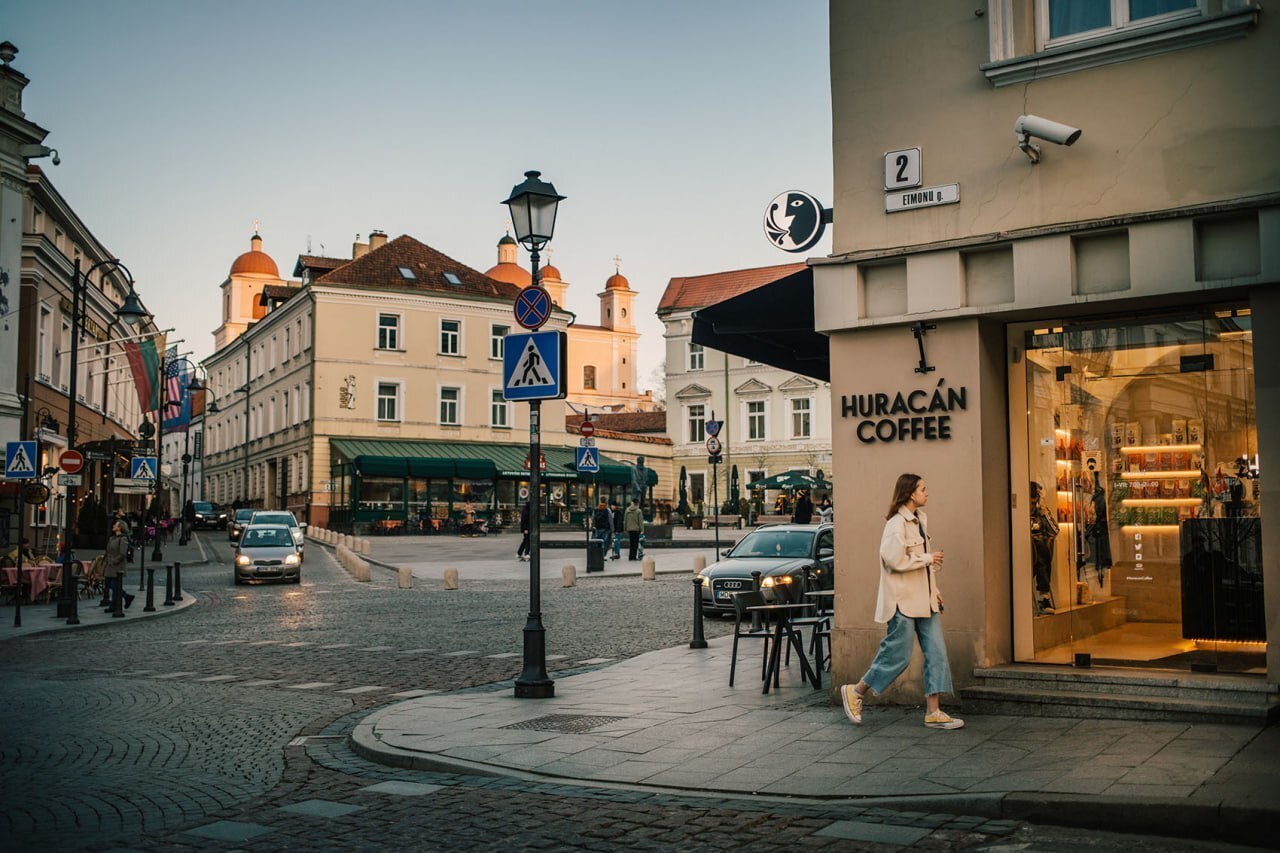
522, 553
117, 561
804, 508
615, 512
602, 525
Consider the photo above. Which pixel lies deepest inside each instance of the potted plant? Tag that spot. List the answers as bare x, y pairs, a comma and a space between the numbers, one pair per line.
696, 516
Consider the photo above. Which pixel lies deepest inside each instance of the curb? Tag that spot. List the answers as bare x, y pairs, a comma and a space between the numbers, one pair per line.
159, 613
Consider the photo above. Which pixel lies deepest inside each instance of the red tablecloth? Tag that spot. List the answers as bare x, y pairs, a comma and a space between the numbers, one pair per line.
37, 577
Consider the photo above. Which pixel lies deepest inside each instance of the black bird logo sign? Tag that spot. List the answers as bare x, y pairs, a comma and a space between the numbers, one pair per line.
794, 221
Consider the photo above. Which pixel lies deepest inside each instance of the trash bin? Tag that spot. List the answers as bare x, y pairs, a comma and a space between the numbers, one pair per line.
595, 555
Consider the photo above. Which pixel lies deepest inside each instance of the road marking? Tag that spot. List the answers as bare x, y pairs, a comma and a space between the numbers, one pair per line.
460, 654
366, 689
220, 678
310, 685
505, 655
264, 643
336, 646
174, 674
226, 642
376, 649
138, 672
262, 682
192, 642
412, 694
295, 645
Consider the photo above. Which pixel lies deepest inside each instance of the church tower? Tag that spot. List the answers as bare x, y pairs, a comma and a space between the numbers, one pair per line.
241, 307
616, 302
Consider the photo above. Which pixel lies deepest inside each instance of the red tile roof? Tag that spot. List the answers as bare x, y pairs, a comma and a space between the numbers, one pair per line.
381, 268
273, 292
622, 422
699, 291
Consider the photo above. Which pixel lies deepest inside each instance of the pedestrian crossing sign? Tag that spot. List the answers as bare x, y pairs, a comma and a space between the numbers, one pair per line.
20, 460
588, 460
534, 365
142, 468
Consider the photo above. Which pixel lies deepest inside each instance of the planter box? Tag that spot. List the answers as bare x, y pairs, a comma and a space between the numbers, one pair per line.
657, 531
696, 522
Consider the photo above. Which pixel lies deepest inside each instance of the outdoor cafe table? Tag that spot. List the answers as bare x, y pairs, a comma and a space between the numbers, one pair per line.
36, 577
782, 627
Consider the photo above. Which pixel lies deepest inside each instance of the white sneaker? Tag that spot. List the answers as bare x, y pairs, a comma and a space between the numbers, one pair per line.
852, 703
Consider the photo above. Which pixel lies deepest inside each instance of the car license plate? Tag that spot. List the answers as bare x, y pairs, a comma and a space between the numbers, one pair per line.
723, 595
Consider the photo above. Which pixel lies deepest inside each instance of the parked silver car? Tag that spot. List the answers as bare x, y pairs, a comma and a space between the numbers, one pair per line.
266, 553
281, 516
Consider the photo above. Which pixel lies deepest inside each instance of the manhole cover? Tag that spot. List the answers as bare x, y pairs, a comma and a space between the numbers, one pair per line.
565, 723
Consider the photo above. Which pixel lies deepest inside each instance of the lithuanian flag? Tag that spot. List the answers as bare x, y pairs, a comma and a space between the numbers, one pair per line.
144, 361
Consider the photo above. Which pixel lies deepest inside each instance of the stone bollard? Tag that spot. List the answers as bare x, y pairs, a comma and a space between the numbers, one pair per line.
361, 572
405, 578
451, 578
348, 541
569, 575
647, 570
365, 547
699, 563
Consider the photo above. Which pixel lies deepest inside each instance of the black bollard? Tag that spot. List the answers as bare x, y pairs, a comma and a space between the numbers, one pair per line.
151, 592
142, 564
755, 616
117, 605
698, 641
72, 603
168, 586
177, 581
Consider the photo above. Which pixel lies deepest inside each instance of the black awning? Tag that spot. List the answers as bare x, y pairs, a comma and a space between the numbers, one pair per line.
772, 324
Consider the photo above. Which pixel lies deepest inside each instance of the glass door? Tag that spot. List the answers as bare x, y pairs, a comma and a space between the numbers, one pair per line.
1145, 509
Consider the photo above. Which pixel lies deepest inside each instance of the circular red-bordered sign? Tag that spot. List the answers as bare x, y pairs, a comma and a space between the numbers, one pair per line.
533, 307
71, 461
587, 428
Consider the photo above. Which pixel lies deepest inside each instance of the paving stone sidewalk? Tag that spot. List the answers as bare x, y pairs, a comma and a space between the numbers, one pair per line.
668, 720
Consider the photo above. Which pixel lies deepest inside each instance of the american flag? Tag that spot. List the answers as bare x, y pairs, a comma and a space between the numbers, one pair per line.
173, 382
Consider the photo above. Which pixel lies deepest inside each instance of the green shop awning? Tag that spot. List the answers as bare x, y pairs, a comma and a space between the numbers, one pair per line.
394, 458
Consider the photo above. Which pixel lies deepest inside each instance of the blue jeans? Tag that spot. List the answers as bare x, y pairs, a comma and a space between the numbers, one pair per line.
895, 653
617, 545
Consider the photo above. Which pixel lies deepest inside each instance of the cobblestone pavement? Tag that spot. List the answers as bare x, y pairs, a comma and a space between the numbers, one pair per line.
224, 728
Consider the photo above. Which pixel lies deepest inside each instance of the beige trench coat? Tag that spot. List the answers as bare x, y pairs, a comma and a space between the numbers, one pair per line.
907, 577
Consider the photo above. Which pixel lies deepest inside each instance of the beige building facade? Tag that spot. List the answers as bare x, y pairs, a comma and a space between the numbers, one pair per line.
1095, 378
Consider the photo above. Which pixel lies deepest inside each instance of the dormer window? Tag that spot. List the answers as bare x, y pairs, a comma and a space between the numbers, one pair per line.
407, 274
452, 278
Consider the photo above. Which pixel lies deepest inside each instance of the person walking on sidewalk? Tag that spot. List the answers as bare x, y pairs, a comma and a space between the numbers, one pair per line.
910, 602
522, 553
615, 512
117, 561
804, 508
633, 523
602, 527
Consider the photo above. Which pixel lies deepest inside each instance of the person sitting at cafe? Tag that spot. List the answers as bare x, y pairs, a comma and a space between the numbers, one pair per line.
28, 556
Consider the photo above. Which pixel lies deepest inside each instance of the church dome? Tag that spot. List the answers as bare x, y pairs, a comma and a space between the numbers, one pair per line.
510, 273
255, 261
617, 281
507, 240
551, 272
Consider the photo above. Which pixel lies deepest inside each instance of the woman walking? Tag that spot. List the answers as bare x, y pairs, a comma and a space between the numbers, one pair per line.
117, 561
909, 601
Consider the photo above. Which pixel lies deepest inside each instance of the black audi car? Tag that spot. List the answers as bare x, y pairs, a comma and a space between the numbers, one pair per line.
209, 515
798, 557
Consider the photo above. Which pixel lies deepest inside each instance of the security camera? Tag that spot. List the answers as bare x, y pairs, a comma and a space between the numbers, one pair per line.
31, 152
1042, 128
57, 161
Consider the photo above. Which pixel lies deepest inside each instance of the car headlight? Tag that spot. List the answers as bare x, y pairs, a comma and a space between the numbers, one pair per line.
243, 560
291, 560
706, 581
777, 580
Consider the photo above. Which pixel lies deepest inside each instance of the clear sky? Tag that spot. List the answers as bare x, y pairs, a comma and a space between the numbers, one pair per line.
668, 126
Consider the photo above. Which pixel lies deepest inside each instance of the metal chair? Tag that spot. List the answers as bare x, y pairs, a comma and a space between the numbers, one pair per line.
741, 601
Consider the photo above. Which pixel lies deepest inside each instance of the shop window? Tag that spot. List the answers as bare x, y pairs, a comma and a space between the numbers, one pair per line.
449, 398
388, 401
1142, 540
697, 356
697, 420
389, 331
450, 337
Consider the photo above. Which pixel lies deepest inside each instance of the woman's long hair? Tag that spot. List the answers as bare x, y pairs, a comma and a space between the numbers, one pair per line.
902, 492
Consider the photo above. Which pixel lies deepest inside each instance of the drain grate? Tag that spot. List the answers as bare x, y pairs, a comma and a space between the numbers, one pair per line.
569, 724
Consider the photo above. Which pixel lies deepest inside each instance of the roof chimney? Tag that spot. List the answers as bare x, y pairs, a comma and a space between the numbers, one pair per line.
377, 239
358, 249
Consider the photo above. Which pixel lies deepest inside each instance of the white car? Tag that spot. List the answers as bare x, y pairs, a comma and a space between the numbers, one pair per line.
280, 516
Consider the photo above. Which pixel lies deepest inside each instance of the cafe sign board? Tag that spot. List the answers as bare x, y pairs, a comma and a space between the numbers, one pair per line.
920, 414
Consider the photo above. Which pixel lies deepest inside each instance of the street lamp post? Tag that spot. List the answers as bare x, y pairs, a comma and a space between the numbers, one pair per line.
131, 311
533, 206
193, 387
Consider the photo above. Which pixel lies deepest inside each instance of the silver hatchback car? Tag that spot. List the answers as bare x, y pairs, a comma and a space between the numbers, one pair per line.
266, 552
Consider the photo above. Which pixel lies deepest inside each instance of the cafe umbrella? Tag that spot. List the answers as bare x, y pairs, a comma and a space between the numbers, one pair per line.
683, 506
789, 480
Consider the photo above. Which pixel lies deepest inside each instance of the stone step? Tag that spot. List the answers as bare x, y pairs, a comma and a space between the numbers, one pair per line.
1155, 683
1051, 702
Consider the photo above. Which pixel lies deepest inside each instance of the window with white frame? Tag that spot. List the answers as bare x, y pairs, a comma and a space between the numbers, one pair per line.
449, 399
499, 410
589, 377
44, 355
64, 356
697, 418
388, 401
284, 419
755, 420
388, 331
450, 337
288, 344
754, 475
497, 346
1063, 21
801, 410
697, 356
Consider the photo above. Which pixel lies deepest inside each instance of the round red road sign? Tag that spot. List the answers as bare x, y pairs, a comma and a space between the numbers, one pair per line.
71, 461
587, 428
